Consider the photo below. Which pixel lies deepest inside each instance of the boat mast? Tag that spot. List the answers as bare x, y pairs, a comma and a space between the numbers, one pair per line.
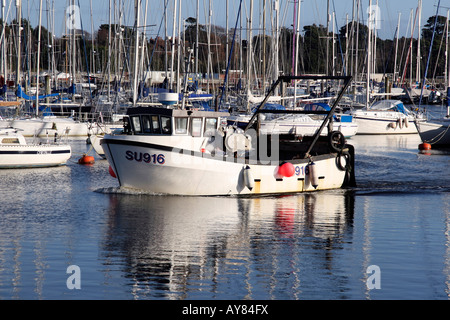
297, 40
174, 24
249, 54
19, 35
109, 53
419, 7
74, 32
276, 8
3, 42
396, 48
38, 58
369, 53
136, 51
447, 70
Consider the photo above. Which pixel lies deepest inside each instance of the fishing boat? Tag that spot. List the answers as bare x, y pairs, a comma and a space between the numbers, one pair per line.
386, 117
167, 150
15, 152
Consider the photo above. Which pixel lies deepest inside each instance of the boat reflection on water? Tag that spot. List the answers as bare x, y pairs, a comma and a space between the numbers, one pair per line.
253, 248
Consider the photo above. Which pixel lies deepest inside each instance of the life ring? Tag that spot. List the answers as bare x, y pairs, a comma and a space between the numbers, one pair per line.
336, 140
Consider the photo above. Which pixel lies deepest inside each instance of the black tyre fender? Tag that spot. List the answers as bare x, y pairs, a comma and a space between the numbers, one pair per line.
336, 141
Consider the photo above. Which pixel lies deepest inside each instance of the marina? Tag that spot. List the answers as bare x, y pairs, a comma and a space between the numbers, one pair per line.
315, 245
168, 154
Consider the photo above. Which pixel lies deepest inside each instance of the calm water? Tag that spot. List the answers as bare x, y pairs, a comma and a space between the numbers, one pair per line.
307, 246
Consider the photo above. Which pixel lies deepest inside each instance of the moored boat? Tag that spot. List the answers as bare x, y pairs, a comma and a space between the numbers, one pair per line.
189, 152
386, 117
15, 152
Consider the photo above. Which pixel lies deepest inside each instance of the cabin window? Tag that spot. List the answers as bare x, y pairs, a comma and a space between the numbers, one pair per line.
210, 124
146, 124
181, 125
10, 140
166, 123
136, 124
196, 127
155, 125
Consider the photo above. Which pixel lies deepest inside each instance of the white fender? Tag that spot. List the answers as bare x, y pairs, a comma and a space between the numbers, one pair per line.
313, 176
248, 178
400, 123
405, 122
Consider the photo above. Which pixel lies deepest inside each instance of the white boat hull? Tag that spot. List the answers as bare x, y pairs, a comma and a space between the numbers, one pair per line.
165, 170
30, 156
372, 124
348, 129
63, 127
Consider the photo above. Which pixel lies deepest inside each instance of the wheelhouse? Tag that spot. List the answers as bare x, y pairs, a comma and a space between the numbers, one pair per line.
162, 121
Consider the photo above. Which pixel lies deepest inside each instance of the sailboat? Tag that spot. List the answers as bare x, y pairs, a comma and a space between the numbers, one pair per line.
15, 152
436, 132
384, 116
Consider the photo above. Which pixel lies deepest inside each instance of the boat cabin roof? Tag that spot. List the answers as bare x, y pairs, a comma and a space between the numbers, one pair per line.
10, 136
174, 112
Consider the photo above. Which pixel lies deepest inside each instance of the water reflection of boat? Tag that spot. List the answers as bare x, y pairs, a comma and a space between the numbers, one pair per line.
177, 245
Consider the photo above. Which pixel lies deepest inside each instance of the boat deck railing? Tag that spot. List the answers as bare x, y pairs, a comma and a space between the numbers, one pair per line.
329, 114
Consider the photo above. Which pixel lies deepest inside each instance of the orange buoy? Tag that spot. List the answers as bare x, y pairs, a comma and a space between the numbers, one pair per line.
111, 172
424, 146
85, 159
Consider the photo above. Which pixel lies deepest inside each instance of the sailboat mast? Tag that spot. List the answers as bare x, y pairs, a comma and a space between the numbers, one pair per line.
109, 53
172, 62
4, 67
136, 52
369, 53
19, 35
38, 58
419, 7
276, 8
447, 70
396, 49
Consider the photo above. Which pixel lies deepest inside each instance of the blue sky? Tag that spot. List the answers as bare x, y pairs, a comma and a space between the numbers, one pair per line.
312, 11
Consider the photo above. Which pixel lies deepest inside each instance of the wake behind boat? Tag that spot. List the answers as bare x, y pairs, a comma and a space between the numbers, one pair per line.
189, 152
15, 152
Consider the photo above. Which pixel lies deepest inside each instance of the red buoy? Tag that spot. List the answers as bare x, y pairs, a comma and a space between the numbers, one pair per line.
111, 172
286, 169
85, 159
424, 146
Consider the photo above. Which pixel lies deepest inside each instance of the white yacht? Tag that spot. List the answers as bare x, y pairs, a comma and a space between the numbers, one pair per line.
386, 117
15, 152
